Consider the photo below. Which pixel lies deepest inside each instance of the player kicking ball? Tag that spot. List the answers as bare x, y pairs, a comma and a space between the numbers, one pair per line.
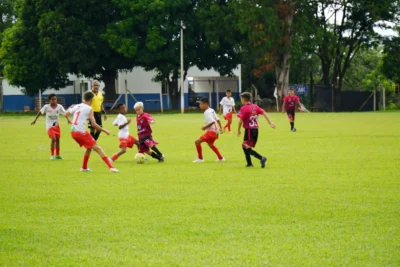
52, 111
248, 116
146, 142
81, 113
227, 106
125, 140
289, 103
211, 134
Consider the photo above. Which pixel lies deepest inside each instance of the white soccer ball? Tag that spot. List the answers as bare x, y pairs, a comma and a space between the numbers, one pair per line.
140, 158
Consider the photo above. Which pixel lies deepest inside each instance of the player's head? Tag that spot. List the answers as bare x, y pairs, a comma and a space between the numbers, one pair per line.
139, 108
204, 103
88, 97
228, 93
121, 108
95, 85
291, 91
245, 97
52, 99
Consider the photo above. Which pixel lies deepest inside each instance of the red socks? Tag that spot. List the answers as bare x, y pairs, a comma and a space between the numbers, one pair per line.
52, 151
228, 125
115, 157
105, 159
199, 151
85, 162
216, 151
57, 151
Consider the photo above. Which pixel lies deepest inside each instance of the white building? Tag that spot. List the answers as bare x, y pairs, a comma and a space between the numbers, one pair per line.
140, 85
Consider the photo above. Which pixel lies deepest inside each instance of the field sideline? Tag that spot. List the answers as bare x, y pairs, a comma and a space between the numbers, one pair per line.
329, 196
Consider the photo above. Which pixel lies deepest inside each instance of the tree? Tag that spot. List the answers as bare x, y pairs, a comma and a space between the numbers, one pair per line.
23, 57
72, 33
7, 13
149, 32
391, 62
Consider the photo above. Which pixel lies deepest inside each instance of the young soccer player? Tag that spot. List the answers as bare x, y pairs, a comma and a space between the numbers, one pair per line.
146, 142
52, 111
289, 103
211, 134
248, 116
227, 106
82, 112
125, 140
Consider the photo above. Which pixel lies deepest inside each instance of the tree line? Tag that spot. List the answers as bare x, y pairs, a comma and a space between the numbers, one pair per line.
276, 41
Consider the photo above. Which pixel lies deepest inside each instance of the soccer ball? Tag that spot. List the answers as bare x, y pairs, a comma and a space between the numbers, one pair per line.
140, 158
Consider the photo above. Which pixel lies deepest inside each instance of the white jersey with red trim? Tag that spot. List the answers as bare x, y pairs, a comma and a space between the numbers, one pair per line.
119, 121
211, 116
227, 104
52, 114
81, 115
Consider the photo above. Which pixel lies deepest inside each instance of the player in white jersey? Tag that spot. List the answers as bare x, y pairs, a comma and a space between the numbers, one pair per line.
211, 129
83, 112
52, 111
125, 140
227, 107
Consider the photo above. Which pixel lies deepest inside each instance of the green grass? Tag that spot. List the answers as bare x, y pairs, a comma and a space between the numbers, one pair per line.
330, 196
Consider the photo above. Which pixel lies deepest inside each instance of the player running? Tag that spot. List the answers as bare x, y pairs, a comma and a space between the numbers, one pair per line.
211, 134
52, 111
125, 140
248, 116
289, 103
83, 112
227, 106
146, 142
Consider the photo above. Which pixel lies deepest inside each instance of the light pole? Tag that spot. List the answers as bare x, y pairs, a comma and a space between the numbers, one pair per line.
182, 87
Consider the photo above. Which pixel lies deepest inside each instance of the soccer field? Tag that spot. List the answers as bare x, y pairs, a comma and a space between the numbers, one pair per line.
329, 196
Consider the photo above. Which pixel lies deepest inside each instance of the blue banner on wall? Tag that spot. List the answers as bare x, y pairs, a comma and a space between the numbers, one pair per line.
300, 89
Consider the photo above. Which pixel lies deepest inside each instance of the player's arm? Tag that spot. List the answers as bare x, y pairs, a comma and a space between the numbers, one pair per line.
220, 126
37, 116
300, 105
220, 109
64, 113
209, 125
95, 125
239, 127
265, 114
125, 124
234, 109
103, 110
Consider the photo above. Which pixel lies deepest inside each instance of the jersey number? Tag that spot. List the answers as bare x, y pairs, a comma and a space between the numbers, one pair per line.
253, 122
77, 117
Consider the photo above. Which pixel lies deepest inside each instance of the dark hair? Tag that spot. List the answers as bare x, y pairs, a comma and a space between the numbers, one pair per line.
228, 91
246, 96
120, 104
88, 96
291, 89
51, 96
204, 100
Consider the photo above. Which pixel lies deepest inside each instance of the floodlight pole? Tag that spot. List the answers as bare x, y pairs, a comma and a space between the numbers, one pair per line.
182, 86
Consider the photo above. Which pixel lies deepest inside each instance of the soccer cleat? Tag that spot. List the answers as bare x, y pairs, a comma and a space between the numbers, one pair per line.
198, 160
113, 170
86, 170
249, 166
220, 160
161, 158
58, 157
263, 162
52, 158
294, 129
230, 132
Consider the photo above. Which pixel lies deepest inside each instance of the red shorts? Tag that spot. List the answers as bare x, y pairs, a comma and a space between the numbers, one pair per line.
127, 142
84, 139
54, 132
228, 116
209, 137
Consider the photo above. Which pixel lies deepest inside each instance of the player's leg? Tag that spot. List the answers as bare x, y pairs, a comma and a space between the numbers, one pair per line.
253, 133
150, 146
104, 157
152, 154
86, 157
199, 150
52, 147
248, 157
229, 125
292, 123
58, 148
97, 117
216, 151
118, 154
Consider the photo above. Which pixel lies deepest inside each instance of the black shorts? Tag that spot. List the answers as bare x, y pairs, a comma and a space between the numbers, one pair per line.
250, 137
291, 113
97, 118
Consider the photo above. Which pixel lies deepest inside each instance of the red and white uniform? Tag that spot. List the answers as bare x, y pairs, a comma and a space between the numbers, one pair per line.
290, 102
125, 140
52, 115
81, 114
227, 106
211, 132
